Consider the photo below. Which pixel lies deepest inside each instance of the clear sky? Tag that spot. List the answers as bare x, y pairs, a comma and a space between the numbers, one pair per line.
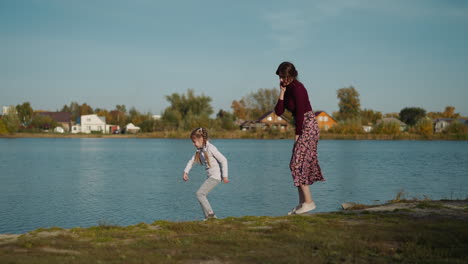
396, 53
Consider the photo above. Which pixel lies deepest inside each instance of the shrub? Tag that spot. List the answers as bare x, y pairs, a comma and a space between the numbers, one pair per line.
455, 128
387, 127
350, 126
424, 127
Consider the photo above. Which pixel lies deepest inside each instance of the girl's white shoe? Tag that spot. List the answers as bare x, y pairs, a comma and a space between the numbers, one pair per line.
306, 207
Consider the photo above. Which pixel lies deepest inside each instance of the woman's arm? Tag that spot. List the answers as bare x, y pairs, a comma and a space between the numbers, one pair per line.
279, 108
300, 101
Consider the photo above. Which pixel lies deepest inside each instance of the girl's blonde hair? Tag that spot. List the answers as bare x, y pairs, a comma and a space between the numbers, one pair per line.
201, 133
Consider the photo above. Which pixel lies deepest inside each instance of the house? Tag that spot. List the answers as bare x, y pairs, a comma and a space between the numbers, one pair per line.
367, 128
131, 128
8, 109
268, 120
63, 118
392, 119
324, 120
440, 124
92, 123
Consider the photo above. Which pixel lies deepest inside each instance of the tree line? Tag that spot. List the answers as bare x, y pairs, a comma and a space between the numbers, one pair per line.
351, 118
189, 110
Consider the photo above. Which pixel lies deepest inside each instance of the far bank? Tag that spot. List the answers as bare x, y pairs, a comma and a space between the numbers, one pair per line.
237, 134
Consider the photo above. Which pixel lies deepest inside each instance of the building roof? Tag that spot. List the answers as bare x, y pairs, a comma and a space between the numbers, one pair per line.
63, 117
449, 120
319, 112
269, 113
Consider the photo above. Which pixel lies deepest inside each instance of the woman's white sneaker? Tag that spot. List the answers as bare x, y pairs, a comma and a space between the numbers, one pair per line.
293, 211
306, 207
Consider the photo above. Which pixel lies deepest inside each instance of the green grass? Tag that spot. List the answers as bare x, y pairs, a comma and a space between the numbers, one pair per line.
344, 237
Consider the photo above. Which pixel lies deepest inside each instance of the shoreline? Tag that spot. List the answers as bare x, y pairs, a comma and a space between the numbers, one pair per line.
243, 135
406, 230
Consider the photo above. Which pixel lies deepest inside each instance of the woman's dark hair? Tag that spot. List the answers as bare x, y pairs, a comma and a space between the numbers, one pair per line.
287, 69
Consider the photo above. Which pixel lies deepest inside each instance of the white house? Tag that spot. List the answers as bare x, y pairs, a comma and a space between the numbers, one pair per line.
8, 109
92, 123
131, 128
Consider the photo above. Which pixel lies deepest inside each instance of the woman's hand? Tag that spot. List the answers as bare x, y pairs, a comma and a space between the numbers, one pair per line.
225, 180
282, 91
185, 177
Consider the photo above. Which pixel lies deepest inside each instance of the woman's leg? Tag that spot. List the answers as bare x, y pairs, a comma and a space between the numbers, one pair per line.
306, 195
301, 195
308, 204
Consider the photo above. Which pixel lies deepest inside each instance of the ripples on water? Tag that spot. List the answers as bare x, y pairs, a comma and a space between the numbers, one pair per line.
82, 182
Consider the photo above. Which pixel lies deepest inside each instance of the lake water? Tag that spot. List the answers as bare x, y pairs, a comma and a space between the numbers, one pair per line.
84, 182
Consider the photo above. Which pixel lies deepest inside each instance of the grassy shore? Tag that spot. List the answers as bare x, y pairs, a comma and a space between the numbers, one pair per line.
424, 232
237, 134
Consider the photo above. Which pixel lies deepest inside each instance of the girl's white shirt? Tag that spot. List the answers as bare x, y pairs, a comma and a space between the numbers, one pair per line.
216, 160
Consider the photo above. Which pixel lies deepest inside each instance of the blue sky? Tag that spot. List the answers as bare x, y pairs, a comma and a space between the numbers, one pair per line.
396, 53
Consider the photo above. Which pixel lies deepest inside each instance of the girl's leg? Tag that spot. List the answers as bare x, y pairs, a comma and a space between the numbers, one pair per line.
203, 191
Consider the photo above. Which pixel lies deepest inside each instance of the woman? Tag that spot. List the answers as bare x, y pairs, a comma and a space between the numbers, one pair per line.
304, 165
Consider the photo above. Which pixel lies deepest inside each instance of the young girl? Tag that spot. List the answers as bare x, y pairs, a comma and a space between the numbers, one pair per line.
207, 154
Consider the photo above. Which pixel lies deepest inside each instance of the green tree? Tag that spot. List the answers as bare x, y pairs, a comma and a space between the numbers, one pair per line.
255, 104
411, 115
121, 108
369, 116
226, 120
43, 122
187, 111
25, 113
3, 128
349, 104
12, 121
74, 109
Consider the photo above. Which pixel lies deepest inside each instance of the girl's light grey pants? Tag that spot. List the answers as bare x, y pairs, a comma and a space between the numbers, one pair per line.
203, 191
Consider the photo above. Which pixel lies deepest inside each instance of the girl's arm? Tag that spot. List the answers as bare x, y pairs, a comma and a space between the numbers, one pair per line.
188, 167
222, 161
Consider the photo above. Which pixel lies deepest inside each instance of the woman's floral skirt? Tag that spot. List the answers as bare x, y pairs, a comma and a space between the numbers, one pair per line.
304, 165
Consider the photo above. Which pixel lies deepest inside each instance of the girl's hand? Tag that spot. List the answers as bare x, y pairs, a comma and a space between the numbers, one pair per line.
185, 177
225, 180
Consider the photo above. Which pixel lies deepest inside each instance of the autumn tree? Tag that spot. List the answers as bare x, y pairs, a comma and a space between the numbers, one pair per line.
85, 109
349, 104
104, 113
411, 115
